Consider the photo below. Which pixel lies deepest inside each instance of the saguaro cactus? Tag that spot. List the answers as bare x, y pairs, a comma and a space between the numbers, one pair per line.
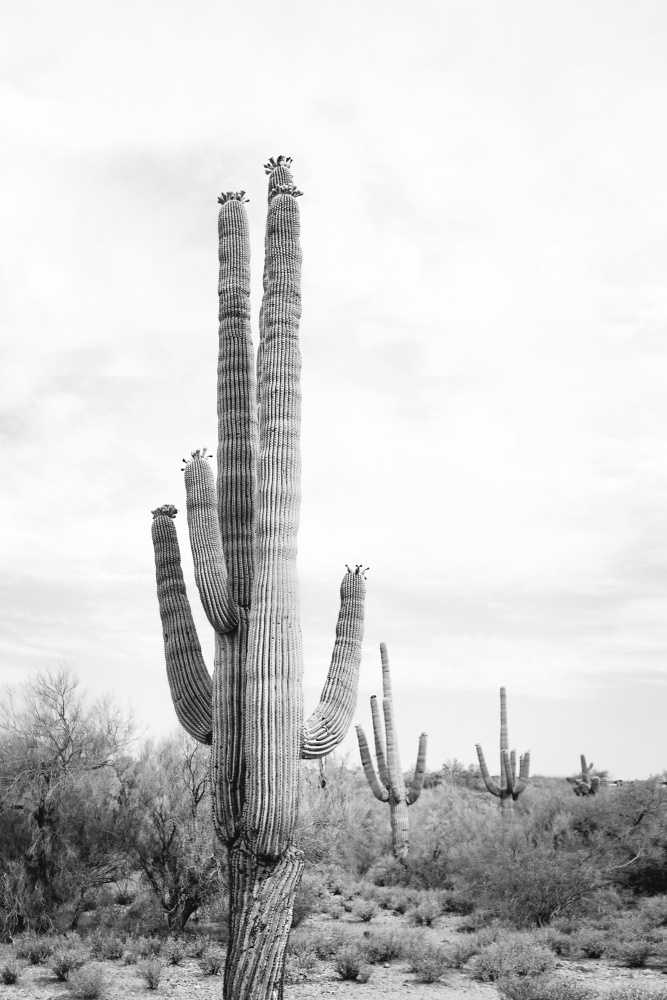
586, 783
243, 536
509, 787
391, 786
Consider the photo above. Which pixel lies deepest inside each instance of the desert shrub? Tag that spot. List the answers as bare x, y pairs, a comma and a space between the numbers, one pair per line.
149, 947
301, 957
633, 952
130, 955
336, 911
460, 953
425, 913
428, 961
542, 988
327, 943
151, 971
474, 922
66, 960
107, 947
350, 963
559, 943
514, 957
383, 896
197, 945
309, 897
212, 962
88, 983
174, 951
383, 946
653, 911
34, 948
10, 972
452, 901
365, 910
591, 943
402, 900
636, 991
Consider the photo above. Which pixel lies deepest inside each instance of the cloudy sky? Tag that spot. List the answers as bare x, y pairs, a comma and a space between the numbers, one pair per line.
484, 340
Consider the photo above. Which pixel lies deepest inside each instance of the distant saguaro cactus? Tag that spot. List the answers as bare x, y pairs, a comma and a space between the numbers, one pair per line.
509, 787
586, 783
391, 786
243, 536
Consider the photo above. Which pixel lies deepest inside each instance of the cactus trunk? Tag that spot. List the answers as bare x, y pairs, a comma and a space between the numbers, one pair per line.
243, 534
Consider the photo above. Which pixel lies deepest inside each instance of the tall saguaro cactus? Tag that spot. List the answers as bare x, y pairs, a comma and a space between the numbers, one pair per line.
243, 535
391, 786
509, 787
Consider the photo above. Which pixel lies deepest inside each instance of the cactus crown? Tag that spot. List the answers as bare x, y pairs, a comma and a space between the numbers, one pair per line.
166, 510
358, 571
280, 161
226, 196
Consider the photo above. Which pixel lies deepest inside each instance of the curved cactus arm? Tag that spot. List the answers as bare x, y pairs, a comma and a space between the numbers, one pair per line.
237, 398
386, 675
189, 680
415, 788
380, 743
513, 766
330, 721
206, 544
488, 780
524, 766
378, 790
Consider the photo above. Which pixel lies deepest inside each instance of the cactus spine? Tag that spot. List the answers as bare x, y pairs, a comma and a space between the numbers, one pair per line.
243, 535
391, 786
587, 783
509, 787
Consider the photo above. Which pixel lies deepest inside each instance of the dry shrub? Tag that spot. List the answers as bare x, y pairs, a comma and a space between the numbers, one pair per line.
212, 962
365, 910
428, 961
542, 988
151, 971
515, 957
384, 946
66, 960
88, 983
10, 972
425, 913
350, 964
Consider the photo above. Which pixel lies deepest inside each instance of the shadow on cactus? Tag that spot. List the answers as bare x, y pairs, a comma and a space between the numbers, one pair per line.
391, 786
243, 535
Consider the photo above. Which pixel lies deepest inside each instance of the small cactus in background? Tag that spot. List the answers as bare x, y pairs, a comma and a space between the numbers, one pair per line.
509, 787
586, 783
243, 535
391, 786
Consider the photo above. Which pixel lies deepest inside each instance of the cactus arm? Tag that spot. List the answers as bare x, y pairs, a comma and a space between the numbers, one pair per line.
396, 782
507, 771
330, 721
380, 744
377, 789
206, 544
524, 767
504, 735
513, 768
420, 770
584, 769
237, 403
273, 717
386, 675
189, 680
488, 780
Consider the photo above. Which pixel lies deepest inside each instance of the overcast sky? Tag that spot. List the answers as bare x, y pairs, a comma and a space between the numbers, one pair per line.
484, 339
